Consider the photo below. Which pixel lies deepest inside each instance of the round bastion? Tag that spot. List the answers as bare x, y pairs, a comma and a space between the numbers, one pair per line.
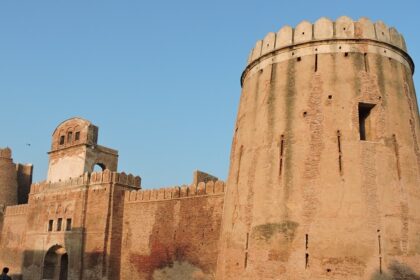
325, 160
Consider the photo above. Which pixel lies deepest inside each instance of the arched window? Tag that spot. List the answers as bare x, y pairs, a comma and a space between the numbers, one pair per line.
99, 167
77, 136
62, 138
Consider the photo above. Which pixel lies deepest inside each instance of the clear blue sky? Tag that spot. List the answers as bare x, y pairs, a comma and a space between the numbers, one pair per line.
160, 78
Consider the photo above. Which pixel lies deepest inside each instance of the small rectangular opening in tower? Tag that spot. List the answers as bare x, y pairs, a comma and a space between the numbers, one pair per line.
61, 139
77, 136
365, 122
50, 225
59, 222
68, 225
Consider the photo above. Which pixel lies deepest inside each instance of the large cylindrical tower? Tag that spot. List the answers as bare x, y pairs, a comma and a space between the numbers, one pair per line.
325, 162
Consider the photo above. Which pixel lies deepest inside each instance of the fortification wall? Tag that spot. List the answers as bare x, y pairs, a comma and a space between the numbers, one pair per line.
172, 232
90, 205
96, 226
54, 220
208, 188
8, 180
77, 218
13, 238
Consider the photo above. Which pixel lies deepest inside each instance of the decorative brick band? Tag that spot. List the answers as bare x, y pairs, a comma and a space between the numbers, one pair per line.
16, 210
323, 47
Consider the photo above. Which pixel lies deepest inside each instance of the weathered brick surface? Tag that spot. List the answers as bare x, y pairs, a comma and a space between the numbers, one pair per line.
8, 178
171, 239
74, 151
13, 237
15, 179
107, 211
307, 198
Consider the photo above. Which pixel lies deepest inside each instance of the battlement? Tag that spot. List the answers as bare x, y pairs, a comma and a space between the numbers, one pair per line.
95, 178
5, 153
21, 209
201, 189
344, 28
122, 178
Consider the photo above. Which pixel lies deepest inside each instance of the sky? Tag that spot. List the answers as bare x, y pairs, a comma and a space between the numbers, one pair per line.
159, 78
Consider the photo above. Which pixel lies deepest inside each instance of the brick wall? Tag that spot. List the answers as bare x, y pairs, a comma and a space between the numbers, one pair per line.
171, 239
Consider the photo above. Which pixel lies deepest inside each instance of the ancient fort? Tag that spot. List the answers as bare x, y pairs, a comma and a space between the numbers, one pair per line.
323, 181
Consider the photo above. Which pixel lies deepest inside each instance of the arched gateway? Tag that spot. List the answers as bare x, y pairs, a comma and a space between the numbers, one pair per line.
55, 264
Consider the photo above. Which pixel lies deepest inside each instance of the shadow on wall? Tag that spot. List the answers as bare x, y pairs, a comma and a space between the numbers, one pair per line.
397, 271
55, 261
62, 260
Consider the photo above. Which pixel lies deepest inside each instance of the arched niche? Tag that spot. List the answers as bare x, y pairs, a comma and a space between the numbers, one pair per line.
55, 265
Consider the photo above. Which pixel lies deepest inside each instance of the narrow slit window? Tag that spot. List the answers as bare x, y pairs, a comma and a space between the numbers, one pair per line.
59, 222
281, 154
397, 156
68, 225
69, 136
247, 241
340, 153
62, 139
366, 62
77, 136
50, 225
380, 265
246, 260
365, 121
239, 164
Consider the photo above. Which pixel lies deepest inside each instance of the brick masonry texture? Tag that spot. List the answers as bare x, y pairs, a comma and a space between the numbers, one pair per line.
323, 181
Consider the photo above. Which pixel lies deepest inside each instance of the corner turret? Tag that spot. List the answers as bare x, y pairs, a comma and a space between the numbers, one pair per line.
15, 179
8, 182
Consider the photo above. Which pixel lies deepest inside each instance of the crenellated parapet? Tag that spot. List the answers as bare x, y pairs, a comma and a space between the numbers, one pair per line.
67, 184
178, 192
326, 29
326, 36
95, 178
122, 178
21, 209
